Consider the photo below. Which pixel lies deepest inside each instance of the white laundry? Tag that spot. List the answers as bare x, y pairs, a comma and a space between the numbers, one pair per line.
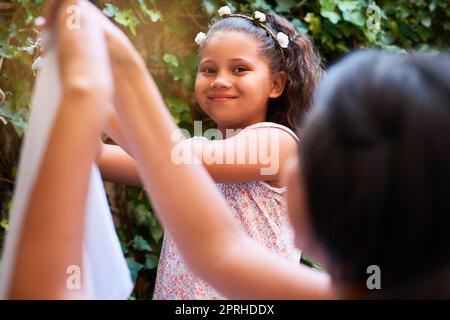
104, 268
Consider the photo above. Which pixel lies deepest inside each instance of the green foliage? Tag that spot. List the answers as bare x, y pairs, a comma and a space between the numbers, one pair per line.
163, 33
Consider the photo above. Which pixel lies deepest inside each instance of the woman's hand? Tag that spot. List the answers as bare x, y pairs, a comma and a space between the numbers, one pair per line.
120, 49
82, 54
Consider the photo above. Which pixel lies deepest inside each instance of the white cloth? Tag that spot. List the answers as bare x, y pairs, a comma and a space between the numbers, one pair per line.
105, 271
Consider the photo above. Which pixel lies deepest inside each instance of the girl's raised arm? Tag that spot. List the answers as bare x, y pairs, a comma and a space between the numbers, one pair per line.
256, 154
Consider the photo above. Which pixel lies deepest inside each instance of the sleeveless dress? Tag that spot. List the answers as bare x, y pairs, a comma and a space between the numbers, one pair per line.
261, 211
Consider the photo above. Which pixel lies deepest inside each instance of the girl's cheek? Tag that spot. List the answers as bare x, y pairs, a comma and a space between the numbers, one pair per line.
200, 84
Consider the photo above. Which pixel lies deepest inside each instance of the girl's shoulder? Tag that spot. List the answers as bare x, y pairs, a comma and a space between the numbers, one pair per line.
273, 125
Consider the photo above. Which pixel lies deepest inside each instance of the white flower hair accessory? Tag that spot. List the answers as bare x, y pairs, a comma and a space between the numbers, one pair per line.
200, 38
283, 39
224, 11
259, 16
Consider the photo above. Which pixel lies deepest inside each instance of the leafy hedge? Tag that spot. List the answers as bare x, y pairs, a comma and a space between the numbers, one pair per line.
163, 33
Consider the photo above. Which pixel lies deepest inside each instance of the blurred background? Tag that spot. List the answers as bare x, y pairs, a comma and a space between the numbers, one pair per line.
164, 32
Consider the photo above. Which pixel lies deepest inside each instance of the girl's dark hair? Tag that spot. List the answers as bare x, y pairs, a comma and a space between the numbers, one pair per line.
376, 167
302, 64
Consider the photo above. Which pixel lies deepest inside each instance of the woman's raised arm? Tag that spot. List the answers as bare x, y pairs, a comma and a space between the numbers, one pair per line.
52, 233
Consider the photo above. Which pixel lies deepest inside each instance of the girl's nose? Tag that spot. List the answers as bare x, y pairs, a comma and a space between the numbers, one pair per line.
220, 82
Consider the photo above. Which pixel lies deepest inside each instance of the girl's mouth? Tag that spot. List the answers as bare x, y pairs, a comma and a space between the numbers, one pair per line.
221, 98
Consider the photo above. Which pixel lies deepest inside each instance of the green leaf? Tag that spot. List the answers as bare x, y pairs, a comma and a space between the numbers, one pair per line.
285, 5
315, 24
301, 27
355, 17
5, 54
110, 10
151, 262
142, 215
209, 6
140, 244
157, 232
332, 16
171, 59
134, 268
154, 15
426, 22
124, 247
311, 263
127, 19
4, 224
177, 108
261, 5
327, 5
349, 5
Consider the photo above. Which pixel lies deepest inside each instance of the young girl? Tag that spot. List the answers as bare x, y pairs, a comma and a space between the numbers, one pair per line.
250, 78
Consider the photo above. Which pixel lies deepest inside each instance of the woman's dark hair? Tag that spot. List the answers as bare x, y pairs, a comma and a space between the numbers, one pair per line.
302, 64
375, 160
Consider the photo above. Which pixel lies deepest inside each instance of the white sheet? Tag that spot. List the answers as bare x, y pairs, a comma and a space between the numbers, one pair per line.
105, 271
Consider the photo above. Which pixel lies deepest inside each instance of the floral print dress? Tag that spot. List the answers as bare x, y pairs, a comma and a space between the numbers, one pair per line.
261, 211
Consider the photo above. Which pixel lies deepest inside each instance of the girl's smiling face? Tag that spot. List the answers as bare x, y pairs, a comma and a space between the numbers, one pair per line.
234, 81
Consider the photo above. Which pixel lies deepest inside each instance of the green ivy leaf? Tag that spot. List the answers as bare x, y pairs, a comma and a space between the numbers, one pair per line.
285, 5
177, 108
157, 232
142, 215
209, 6
261, 5
349, 5
355, 17
134, 268
151, 262
330, 15
127, 19
140, 244
315, 24
110, 10
124, 247
5, 54
426, 22
4, 224
154, 15
301, 27
171, 59
327, 5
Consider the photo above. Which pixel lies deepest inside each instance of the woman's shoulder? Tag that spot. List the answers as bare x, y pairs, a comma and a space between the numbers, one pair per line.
273, 125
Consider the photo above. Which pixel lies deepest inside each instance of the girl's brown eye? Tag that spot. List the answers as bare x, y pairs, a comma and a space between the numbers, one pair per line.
208, 70
239, 69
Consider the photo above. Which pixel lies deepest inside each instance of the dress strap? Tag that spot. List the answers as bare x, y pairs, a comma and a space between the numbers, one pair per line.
273, 125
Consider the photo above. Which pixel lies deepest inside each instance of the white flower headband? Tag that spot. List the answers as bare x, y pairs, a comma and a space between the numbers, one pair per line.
258, 18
